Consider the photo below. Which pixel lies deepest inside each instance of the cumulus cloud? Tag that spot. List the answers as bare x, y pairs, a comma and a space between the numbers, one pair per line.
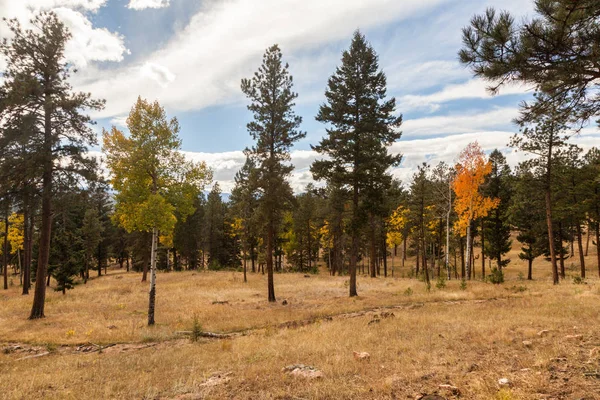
414, 151
225, 40
143, 4
158, 73
465, 121
88, 44
472, 89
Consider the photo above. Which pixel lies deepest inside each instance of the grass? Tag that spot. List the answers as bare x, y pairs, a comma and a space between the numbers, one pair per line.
466, 338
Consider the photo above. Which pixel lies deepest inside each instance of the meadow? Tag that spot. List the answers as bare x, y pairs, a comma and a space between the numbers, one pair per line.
450, 341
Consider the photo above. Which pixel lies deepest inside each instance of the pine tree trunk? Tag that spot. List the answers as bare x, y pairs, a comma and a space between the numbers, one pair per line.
373, 252
252, 259
5, 252
39, 297
269, 256
28, 245
152, 293
482, 251
425, 267
144, 267
580, 247
245, 268
561, 250
587, 237
468, 256
354, 242
384, 248
548, 199
529, 270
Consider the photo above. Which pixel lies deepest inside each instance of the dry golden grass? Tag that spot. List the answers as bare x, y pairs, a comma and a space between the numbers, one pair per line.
469, 338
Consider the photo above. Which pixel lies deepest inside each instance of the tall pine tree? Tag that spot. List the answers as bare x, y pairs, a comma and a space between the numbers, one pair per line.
275, 129
362, 123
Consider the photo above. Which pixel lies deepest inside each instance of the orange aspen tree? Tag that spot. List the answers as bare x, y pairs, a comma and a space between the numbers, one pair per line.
470, 204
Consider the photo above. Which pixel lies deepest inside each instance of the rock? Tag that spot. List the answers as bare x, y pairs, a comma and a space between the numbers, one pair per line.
450, 388
504, 382
574, 337
361, 356
111, 327
374, 321
217, 379
527, 343
303, 371
284, 303
543, 332
306, 276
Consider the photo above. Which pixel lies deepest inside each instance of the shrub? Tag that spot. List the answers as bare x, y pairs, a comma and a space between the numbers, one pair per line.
463, 285
497, 276
196, 329
441, 282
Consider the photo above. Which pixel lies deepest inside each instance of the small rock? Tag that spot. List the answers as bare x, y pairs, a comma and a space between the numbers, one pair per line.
284, 303
574, 337
504, 382
111, 327
525, 369
543, 332
306, 276
450, 388
374, 321
527, 343
303, 371
362, 355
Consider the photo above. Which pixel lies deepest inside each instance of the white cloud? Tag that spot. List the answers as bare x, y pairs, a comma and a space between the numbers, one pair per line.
87, 44
472, 89
158, 73
143, 4
466, 121
225, 40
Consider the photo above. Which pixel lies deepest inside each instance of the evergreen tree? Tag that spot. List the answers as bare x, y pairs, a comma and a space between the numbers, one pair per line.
275, 129
526, 215
496, 226
188, 235
555, 51
36, 86
361, 125
244, 203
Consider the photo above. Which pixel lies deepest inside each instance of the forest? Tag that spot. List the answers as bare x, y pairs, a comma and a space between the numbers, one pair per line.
478, 229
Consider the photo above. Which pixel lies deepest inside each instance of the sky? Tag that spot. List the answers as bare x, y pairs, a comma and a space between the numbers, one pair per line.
191, 55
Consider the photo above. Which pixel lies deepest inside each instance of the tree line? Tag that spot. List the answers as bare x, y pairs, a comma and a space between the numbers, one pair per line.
62, 218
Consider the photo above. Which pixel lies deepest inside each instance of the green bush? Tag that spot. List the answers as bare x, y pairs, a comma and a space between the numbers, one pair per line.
441, 282
497, 276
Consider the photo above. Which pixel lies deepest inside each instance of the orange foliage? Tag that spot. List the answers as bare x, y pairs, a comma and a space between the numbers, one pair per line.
471, 170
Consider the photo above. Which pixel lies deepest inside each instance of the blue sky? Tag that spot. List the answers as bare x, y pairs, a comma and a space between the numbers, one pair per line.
191, 54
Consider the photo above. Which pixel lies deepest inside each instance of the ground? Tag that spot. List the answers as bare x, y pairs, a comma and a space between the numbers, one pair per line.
94, 344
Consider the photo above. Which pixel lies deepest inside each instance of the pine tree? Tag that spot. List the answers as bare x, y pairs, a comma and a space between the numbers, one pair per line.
555, 51
496, 226
361, 125
275, 129
244, 203
526, 214
36, 85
